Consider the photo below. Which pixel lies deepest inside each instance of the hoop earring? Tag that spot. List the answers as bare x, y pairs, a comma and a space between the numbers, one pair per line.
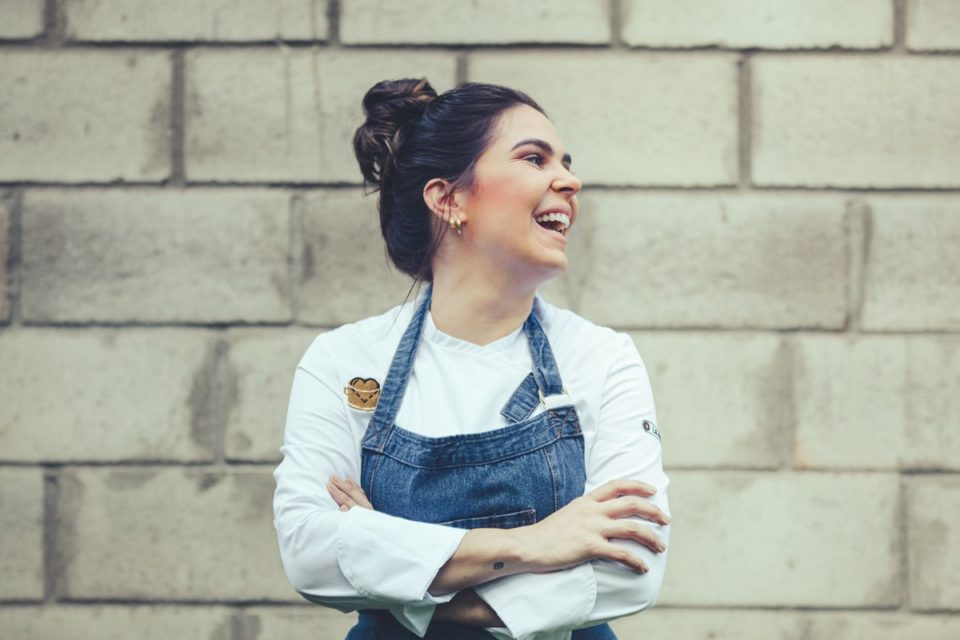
456, 225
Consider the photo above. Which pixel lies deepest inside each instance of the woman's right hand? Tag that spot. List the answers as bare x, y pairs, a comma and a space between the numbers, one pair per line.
581, 531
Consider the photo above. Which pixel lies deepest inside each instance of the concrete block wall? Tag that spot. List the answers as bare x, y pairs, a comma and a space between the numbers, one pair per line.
771, 210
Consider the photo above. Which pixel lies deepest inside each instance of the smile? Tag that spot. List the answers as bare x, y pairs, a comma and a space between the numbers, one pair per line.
555, 221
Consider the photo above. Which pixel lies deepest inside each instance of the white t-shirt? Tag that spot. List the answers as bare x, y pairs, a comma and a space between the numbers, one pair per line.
367, 559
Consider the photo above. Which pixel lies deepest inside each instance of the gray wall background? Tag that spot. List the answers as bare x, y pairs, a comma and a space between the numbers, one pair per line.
772, 209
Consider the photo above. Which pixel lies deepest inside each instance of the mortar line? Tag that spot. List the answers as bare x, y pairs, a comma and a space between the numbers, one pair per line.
51, 497
256, 465
177, 119
84, 324
297, 242
220, 398
333, 24
731, 189
616, 25
744, 116
904, 531
14, 283
462, 69
240, 606
204, 465
54, 23
600, 49
789, 444
899, 26
860, 231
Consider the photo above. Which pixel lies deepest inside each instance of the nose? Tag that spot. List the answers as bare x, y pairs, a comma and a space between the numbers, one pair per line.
567, 183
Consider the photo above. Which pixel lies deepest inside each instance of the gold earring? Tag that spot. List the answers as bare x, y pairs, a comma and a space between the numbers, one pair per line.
456, 225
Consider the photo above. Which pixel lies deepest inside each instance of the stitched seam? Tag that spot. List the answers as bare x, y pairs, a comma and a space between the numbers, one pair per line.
553, 477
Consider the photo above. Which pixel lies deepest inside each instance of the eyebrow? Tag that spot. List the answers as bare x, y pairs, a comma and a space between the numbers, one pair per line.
543, 144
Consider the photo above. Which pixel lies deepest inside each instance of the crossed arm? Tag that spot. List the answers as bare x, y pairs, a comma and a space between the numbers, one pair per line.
615, 531
580, 532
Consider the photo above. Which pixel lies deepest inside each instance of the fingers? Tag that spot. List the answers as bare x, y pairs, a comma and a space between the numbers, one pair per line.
625, 506
621, 487
341, 497
633, 530
347, 493
624, 557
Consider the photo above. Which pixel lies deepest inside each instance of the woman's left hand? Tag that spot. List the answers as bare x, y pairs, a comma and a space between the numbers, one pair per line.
466, 607
347, 493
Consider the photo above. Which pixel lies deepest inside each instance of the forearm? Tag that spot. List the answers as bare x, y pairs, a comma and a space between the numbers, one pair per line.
483, 555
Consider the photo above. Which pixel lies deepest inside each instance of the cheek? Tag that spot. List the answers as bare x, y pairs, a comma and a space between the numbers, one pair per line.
505, 190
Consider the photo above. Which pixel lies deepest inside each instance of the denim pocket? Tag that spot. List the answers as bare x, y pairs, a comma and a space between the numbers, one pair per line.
499, 521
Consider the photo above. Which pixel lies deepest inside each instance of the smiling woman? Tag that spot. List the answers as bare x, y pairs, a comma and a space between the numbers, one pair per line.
474, 463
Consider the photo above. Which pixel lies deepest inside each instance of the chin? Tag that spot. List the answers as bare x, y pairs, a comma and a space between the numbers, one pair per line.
552, 270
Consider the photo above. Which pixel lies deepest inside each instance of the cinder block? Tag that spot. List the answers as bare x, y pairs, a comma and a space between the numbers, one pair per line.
740, 423
933, 25
851, 402
156, 256
741, 624
933, 514
21, 532
115, 622
786, 24
708, 261
196, 20
287, 116
21, 18
633, 119
798, 540
855, 121
714, 624
913, 271
877, 402
85, 115
297, 623
183, 534
881, 626
345, 260
478, 22
105, 395
933, 367
6, 218
262, 364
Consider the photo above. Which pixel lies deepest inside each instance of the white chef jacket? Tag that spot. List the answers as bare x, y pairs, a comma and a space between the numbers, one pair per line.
367, 559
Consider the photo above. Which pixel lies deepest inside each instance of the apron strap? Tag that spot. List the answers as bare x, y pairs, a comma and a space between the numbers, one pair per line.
545, 369
523, 401
395, 384
542, 382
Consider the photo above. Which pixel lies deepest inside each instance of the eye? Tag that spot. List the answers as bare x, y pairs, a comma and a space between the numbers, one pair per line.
535, 158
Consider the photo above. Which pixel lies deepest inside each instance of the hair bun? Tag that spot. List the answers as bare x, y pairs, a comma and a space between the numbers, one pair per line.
388, 106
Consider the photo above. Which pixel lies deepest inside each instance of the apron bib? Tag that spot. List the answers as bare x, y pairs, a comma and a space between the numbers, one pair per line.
508, 477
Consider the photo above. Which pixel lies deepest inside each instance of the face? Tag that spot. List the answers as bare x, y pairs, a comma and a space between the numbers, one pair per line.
523, 202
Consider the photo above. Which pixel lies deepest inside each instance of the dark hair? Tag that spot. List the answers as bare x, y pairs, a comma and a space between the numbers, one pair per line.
411, 136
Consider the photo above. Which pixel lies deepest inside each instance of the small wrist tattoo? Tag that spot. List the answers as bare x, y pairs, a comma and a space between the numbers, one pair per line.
497, 566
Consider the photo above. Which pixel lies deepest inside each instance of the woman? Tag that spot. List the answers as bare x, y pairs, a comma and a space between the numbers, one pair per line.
476, 463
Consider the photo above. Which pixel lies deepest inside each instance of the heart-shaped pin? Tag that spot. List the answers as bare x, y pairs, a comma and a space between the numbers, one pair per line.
362, 393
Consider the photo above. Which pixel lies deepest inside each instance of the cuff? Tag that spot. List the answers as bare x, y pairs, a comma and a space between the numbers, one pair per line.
392, 559
529, 603
416, 618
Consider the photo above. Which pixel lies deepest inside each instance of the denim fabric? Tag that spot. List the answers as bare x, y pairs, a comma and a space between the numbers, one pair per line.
508, 477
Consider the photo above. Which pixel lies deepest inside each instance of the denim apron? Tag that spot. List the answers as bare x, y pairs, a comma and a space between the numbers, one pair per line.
504, 478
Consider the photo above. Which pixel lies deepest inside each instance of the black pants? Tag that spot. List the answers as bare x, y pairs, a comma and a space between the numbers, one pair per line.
381, 625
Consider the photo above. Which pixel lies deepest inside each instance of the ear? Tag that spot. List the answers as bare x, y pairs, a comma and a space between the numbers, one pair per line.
443, 200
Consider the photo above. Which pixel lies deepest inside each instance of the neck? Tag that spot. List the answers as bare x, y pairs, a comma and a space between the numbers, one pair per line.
479, 307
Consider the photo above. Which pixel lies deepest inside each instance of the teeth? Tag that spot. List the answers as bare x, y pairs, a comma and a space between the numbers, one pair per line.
562, 218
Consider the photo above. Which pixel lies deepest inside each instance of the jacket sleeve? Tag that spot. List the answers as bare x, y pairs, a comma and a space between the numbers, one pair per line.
359, 559
626, 445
